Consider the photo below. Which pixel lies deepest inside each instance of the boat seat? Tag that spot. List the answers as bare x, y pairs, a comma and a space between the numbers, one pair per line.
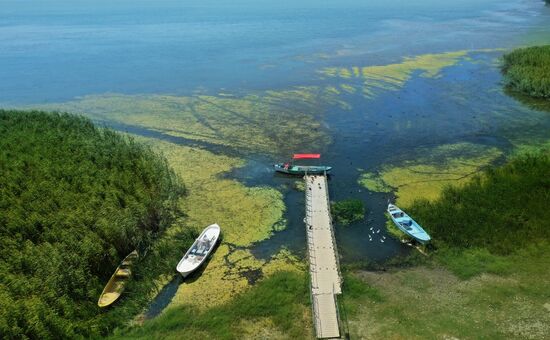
123, 273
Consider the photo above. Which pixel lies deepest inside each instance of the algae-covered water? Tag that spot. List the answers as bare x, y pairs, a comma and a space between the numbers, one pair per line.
397, 95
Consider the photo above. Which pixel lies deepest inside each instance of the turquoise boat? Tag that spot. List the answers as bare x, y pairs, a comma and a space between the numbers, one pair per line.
407, 225
291, 169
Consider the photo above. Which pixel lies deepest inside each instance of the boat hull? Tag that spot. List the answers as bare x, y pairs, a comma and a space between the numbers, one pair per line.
407, 225
201, 249
116, 284
301, 170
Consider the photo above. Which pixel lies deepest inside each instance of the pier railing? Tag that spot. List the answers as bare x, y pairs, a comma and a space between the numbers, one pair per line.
333, 236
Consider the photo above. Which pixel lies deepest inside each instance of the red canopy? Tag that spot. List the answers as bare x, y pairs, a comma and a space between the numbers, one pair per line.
306, 155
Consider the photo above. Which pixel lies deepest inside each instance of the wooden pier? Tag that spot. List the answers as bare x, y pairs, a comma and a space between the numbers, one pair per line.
323, 258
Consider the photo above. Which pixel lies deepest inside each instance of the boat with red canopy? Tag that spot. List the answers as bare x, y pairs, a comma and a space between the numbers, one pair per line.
292, 169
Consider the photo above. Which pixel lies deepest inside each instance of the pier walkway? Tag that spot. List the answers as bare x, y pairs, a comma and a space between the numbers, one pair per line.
323, 258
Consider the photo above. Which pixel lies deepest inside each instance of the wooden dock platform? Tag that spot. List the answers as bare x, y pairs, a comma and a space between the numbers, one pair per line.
323, 258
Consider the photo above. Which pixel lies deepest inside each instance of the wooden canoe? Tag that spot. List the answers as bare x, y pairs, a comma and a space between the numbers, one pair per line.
116, 284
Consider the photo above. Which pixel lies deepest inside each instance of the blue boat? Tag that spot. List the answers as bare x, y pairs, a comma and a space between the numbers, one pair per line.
407, 225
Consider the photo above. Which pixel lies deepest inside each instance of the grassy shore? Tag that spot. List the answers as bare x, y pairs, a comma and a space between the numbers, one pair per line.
275, 308
431, 302
485, 280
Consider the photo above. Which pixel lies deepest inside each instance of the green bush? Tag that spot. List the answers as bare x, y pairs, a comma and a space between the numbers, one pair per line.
348, 211
74, 200
527, 70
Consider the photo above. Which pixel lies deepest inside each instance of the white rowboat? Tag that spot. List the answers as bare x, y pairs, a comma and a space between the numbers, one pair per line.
199, 251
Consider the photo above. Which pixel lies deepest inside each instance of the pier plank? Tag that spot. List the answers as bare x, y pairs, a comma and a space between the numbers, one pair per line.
323, 261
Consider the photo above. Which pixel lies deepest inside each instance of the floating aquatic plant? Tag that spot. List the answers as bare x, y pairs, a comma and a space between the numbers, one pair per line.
277, 122
246, 215
372, 79
430, 171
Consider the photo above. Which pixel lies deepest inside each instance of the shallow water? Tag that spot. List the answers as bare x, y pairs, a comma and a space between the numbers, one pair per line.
56, 52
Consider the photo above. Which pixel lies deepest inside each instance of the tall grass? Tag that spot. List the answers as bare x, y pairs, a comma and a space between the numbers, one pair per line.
74, 200
527, 70
505, 209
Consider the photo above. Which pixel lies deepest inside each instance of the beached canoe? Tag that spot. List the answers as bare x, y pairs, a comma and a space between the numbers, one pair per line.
301, 169
407, 225
199, 251
116, 284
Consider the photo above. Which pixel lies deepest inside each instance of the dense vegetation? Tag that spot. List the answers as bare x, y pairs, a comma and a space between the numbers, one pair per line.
282, 298
527, 70
501, 211
74, 200
348, 211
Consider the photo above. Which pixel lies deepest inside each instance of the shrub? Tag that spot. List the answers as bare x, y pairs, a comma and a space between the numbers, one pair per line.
348, 211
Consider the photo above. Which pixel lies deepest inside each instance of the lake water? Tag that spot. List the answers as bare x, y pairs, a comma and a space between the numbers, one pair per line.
56, 51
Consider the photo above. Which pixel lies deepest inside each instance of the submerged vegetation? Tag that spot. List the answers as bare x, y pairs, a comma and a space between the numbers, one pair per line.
372, 80
527, 70
218, 120
74, 200
348, 211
